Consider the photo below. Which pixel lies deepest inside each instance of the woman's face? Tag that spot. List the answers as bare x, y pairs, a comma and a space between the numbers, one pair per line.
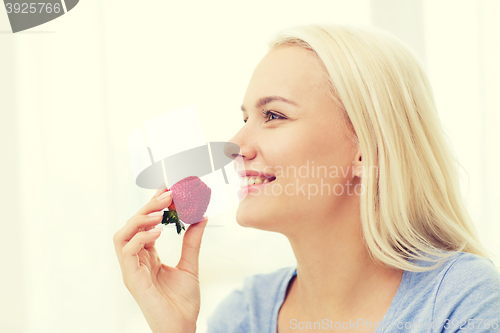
308, 137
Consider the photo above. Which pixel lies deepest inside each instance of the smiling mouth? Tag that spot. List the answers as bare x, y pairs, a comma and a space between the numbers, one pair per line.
256, 181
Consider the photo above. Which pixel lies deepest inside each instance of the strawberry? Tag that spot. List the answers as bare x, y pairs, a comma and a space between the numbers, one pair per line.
190, 199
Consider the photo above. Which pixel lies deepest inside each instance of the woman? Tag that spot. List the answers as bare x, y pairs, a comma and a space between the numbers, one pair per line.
382, 239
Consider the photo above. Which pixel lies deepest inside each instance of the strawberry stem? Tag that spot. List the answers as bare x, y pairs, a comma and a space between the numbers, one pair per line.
170, 216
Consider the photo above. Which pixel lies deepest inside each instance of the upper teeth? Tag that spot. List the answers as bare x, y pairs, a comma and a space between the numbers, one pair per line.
253, 180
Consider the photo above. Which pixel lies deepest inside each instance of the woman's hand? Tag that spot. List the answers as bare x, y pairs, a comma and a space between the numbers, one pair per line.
169, 297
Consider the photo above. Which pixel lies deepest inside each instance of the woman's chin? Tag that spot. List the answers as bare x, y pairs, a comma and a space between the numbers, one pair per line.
250, 218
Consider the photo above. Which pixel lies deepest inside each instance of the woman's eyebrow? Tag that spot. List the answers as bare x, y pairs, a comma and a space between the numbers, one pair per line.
264, 100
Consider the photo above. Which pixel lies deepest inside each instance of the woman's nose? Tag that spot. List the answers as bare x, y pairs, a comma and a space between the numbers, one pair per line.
231, 150
239, 154
240, 146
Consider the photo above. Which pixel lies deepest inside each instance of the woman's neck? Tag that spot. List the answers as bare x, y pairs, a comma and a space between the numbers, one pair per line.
335, 275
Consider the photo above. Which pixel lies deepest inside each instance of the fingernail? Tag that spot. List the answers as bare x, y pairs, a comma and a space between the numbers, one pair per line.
155, 230
156, 214
164, 196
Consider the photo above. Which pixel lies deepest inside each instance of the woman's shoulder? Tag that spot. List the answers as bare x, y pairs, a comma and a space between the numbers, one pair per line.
469, 293
468, 267
460, 268
246, 309
465, 286
469, 276
458, 261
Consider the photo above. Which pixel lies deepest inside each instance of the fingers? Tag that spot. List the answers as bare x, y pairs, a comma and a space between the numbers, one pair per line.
130, 250
191, 247
144, 218
161, 200
130, 239
136, 224
141, 220
162, 189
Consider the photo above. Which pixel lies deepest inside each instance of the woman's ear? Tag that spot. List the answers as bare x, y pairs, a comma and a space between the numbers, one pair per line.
358, 165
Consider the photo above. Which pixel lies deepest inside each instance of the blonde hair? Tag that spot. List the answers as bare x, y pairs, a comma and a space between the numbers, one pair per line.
412, 206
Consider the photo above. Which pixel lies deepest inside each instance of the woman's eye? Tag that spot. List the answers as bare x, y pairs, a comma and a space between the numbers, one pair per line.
266, 113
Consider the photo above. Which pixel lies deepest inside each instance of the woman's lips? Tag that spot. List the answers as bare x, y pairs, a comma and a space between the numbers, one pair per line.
252, 188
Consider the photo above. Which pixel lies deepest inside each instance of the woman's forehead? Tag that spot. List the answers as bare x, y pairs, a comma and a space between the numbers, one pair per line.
290, 72
289, 60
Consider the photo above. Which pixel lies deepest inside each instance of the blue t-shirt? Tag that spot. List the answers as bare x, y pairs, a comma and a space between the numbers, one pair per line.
463, 294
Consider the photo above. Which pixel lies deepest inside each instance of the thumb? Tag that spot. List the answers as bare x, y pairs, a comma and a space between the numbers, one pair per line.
191, 244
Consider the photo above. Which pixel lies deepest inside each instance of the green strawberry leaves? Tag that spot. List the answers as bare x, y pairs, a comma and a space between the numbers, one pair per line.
170, 216
178, 225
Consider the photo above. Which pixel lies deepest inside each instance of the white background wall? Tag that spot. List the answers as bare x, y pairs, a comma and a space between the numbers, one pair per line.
73, 89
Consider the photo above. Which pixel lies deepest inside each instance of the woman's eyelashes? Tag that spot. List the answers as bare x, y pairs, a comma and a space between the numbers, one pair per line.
266, 114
